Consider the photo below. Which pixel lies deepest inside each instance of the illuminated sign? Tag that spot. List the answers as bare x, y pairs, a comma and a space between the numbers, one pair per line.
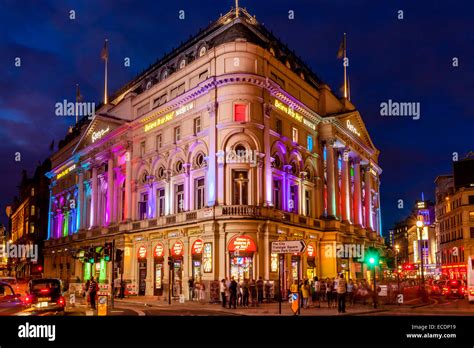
177, 249
309, 124
288, 110
310, 250
168, 117
420, 205
159, 250
373, 172
207, 258
66, 171
99, 134
242, 243
351, 127
142, 252
197, 247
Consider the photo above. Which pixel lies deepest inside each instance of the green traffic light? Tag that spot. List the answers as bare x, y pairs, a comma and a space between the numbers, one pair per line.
371, 260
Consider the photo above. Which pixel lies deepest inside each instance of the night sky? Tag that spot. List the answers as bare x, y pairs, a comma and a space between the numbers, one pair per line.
407, 60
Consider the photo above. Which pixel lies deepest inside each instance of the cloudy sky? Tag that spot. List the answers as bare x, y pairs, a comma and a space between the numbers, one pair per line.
405, 60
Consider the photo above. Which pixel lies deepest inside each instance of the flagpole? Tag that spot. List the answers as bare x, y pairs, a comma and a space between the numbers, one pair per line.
345, 67
236, 8
105, 82
77, 116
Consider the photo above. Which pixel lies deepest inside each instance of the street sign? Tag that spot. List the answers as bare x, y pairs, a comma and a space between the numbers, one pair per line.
102, 306
400, 298
288, 247
383, 290
295, 304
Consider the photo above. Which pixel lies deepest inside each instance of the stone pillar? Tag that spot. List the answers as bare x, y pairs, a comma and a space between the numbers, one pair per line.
50, 213
80, 206
268, 181
345, 187
266, 251
220, 177
187, 187
128, 185
212, 180
368, 199
110, 190
94, 205
222, 252
331, 179
357, 194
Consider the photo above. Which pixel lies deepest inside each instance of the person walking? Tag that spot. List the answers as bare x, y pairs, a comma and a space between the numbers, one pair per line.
315, 293
322, 291
329, 287
233, 293
350, 292
245, 293
253, 293
93, 287
305, 293
239, 293
191, 288
335, 282
223, 290
341, 294
260, 290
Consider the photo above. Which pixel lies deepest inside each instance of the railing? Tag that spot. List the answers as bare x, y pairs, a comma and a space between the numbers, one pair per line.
171, 219
241, 210
191, 216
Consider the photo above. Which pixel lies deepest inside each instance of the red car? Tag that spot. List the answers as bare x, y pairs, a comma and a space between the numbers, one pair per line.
453, 288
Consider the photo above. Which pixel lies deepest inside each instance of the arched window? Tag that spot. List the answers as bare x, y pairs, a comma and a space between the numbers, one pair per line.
294, 168
202, 51
276, 162
199, 160
179, 167
160, 173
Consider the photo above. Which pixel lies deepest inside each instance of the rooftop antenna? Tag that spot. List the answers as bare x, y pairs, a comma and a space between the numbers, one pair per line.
236, 8
422, 196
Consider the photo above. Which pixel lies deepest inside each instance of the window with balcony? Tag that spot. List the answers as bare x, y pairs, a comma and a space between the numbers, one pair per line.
179, 198
240, 187
160, 200
240, 112
199, 193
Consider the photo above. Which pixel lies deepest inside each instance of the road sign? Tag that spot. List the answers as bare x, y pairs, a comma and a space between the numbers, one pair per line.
295, 304
102, 306
288, 247
383, 290
400, 298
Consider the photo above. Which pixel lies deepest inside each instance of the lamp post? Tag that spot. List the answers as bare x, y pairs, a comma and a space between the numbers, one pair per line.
372, 262
397, 250
419, 227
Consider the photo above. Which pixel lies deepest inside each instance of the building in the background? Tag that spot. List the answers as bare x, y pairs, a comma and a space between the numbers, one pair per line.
226, 144
29, 221
410, 242
3, 257
455, 218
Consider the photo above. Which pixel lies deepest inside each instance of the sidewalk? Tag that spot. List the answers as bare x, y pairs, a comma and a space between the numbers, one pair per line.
266, 309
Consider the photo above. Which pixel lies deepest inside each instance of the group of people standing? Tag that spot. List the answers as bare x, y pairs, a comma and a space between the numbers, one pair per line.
241, 293
197, 290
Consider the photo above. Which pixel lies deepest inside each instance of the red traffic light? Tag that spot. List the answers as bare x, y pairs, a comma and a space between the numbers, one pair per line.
40, 269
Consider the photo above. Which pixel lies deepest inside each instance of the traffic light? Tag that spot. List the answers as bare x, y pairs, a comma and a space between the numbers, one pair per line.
107, 251
170, 261
90, 255
372, 257
118, 255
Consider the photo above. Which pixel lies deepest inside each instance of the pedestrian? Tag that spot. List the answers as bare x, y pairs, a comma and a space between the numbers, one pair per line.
191, 288
233, 293
116, 287
240, 293
350, 292
329, 287
341, 294
122, 289
93, 287
245, 293
315, 292
305, 293
334, 291
86, 292
223, 289
260, 290
253, 293
322, 291
202, 292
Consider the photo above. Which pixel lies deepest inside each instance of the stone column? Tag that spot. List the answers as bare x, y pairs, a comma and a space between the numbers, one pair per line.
94, 205
212, 180
331, 180
128, 185
266, 251
110, 189
268, 181
80, 206
345, 187
357, 194
368, 199
187, 187
50, 213
221, 177
222, 252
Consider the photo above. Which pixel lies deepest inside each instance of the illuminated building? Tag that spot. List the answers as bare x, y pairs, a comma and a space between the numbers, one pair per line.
228, 143
455, 218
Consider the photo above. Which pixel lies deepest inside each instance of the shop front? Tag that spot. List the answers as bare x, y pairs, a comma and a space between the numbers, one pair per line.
177, 252
142, 252
241, 253
158, 254
196, 252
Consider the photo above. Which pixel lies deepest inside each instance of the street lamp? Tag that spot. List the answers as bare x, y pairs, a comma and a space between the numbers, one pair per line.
419, 227
397, 250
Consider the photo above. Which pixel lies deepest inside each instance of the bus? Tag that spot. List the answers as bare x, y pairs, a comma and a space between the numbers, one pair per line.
470, 279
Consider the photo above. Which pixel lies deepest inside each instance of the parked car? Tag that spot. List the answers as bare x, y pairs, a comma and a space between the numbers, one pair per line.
45, 295
10, 302
453, 288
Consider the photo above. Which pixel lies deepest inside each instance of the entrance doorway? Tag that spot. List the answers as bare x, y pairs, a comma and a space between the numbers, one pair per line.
241, 266
141, 278
177, 277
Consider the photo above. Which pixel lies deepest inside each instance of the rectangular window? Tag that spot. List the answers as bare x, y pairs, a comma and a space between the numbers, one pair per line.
32, 227
160, 195
240, 112
240, 187
276, 194
471, 199
177, 91
179, 198
158, 142
294, 133
199, 193
472, 232
142, 148
142, 110
197, 125
203, 76
309, 144
142, 206
160, 100
177, 134
279, 126
293, 203
307, 201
